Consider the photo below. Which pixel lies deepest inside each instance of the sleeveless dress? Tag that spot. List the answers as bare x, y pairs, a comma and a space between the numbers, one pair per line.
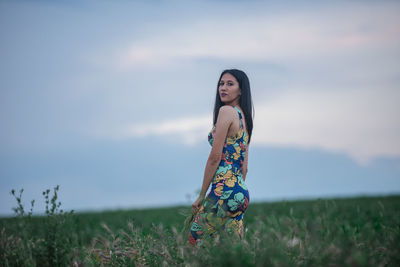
224, 206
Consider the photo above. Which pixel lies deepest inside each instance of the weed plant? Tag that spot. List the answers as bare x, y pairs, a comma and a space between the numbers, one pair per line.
323, 232
350, 232
23, 243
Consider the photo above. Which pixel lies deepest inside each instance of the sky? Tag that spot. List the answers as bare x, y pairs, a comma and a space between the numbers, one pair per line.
113, 100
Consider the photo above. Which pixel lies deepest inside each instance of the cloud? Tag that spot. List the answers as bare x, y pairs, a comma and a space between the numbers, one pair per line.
354, 46
298, 35
361, 123
347, 56
186, 130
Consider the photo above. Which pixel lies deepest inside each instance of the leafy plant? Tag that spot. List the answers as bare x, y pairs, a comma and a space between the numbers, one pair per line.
24, 245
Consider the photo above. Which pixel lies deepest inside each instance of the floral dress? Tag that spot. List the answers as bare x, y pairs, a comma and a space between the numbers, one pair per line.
224, 206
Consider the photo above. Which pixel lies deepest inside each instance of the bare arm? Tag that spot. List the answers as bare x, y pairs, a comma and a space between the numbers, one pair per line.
245, 163
225, 119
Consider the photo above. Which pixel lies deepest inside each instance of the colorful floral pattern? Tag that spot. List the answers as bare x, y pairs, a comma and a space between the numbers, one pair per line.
224, 206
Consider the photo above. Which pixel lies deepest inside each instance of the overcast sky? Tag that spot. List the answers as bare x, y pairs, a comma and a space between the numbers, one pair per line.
113, 100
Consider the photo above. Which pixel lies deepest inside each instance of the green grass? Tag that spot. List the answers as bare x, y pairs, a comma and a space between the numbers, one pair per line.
362, 231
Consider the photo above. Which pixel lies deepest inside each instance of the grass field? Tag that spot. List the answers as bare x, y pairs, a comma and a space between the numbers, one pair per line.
362, 231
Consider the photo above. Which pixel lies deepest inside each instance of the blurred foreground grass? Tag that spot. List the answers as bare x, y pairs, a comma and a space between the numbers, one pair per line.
362, 231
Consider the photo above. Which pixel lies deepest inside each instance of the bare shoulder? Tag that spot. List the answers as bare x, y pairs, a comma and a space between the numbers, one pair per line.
227, 112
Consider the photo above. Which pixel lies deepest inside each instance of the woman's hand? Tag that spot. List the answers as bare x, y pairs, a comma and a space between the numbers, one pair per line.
196, 204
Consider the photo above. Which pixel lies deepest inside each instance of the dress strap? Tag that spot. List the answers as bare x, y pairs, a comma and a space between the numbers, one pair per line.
240, 116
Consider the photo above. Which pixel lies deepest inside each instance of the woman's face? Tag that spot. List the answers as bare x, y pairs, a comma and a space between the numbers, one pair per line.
228, 89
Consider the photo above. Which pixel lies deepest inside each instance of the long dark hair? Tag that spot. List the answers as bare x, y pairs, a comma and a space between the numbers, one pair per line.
245, 98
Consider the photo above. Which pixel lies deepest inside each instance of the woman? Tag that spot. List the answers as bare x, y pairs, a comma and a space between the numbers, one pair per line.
226, 167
